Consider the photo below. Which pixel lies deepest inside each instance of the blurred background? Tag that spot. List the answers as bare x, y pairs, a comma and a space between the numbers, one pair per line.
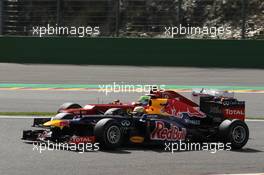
136, 18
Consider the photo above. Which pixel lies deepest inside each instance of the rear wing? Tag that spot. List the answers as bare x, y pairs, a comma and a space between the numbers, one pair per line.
219, 103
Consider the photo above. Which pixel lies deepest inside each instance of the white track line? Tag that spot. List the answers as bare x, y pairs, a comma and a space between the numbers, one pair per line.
255, 120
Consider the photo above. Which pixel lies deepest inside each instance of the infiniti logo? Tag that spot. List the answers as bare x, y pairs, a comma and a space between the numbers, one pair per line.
125, 123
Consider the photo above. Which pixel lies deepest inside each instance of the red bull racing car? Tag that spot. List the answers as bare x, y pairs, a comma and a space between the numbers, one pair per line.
159, 117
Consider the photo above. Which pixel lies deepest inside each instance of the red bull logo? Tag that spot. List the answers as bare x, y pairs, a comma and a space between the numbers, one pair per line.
162, 133
177, 108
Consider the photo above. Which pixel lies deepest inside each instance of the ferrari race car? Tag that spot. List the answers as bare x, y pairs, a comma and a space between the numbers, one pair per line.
211, 116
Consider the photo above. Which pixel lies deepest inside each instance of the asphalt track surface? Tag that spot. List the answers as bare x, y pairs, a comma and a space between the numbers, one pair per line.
88, 74
19, 158
49, 101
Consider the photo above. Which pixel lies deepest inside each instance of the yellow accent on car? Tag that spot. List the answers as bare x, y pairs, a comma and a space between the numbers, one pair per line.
157, 106
54, 123
136, 139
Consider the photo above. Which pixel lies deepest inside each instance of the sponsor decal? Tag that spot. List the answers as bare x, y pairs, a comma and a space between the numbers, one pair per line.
170, 134
234, 112
177, 108
125, 123
82, 139
193, 122
230, 103
136, 139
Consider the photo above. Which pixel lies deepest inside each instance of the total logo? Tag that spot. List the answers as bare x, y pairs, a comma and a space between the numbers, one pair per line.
234, 112
82, 139
170, 134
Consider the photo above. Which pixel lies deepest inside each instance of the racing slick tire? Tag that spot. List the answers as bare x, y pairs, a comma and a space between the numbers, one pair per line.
235, 132
68, 105
108, 133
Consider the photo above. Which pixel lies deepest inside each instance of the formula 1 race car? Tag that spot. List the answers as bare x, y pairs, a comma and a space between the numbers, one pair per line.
99, 109
212, 116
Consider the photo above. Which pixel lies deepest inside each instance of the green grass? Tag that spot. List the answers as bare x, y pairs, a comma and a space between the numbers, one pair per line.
54, 113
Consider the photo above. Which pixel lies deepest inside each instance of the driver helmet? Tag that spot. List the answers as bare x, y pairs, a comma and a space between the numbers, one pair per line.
144, 100
139, 110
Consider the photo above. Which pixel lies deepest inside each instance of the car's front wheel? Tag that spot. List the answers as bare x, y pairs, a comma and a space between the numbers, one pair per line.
108, 133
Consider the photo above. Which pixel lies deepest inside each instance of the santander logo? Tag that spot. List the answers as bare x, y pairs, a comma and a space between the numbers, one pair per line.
162, 133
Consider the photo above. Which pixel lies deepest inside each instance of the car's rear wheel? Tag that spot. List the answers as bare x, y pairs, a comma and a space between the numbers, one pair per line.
235, 132
68, 105
108, 133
